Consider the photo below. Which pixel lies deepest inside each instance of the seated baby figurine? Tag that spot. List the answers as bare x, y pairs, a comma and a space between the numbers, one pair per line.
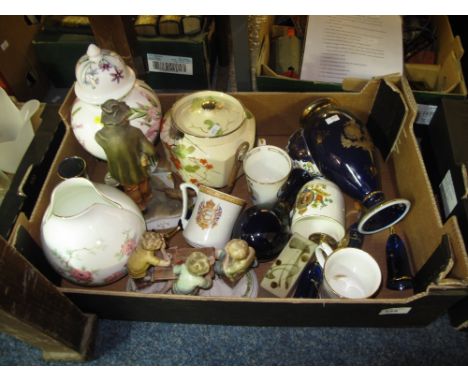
192, 274
234, 261
144, 257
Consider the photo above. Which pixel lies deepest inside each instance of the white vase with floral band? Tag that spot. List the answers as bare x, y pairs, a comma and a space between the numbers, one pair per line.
89, 230
101, 75
202, 134
212, 218
319, 212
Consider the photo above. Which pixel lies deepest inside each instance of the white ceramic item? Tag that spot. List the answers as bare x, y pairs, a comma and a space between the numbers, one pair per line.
103, 75
266, 169
16, 131
347, 273
201, 135
89, 230
319, 211
213, 216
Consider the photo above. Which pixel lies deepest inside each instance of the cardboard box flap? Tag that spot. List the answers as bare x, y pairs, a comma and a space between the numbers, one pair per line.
446, 41
460, 268
32, 171
386, 117
457, 48
436, 267
450, 74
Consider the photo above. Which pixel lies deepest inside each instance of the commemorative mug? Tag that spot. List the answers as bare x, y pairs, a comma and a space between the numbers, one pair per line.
266, 169
319, 212
347, 272
212, 218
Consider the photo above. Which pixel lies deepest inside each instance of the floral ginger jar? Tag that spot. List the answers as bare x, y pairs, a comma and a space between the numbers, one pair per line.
203, 134
89, 230
101, 75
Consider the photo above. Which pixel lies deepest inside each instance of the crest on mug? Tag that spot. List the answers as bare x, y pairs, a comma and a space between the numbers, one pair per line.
208, 214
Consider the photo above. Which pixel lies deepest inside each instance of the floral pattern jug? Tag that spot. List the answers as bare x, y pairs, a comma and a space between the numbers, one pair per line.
89, 230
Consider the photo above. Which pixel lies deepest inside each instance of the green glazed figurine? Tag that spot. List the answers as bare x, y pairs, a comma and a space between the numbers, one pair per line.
128, 151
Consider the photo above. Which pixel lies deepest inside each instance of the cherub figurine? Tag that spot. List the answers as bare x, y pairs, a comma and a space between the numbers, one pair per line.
234, 261
193, 274
128, 151
144, 257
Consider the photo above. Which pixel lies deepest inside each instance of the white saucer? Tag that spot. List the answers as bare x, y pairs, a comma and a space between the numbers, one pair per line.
246, 287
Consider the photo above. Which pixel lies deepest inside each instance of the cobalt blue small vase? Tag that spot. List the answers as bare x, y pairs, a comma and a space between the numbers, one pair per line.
309, 281
342, 150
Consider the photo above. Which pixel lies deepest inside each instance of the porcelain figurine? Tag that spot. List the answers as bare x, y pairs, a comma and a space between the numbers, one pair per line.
235, 260
145, 256
342, 151
398, 268
101, 75
193, 274
268, 230
128, 151
201, 135
89, 231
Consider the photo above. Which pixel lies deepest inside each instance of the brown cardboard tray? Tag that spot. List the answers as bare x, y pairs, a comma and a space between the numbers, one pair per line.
438, 256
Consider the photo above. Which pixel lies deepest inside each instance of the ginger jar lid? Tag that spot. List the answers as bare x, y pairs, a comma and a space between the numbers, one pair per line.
101, 75
208, 114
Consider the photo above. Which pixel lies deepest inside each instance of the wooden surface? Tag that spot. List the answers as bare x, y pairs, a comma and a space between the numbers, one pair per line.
33, 310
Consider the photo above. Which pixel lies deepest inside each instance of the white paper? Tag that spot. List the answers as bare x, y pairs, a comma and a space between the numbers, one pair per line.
447, 191
339, 47
399, 310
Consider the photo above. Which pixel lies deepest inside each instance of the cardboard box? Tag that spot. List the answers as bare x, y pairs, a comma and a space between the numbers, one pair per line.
19, 66
445, 77
268, 80
58, 54
459, 315
438, 258
183, 62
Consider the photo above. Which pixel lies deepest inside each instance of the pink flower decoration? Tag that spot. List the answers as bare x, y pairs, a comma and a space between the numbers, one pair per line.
128, 247
81, 276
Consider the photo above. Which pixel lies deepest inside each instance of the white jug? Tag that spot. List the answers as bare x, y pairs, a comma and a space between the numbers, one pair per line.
89, 230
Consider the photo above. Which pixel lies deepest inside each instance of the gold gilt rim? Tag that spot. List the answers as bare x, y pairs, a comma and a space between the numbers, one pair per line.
371, 194
222, 195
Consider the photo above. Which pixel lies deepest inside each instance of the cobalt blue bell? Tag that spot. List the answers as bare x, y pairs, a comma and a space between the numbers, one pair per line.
398, 268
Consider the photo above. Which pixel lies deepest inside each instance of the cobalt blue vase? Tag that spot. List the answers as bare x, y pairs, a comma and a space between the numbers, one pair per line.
342, 150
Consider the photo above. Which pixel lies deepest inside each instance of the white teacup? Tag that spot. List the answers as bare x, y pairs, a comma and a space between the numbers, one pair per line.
347, 273
213, 216
319, 211
266, 169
